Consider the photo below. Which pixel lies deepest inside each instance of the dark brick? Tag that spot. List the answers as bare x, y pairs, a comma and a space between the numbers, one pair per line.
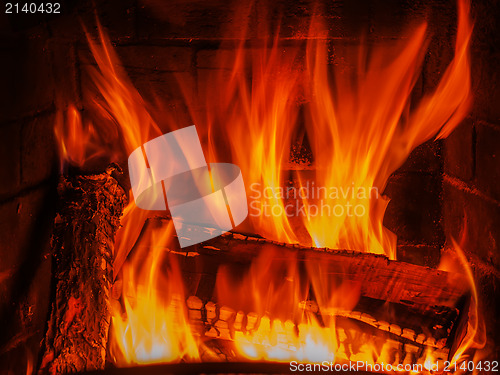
117, 19
84, 57
459, 151
393, 18
65, 72
472, 220
436, 61
9, 230
485, 52
486, 85
488, 159
164, 87
293, 19
216, 19
155, 58
189, 20
17, 220
28, 323
424, 158
423, 255
355, 18
39, 158
10, 154
414, 211
216, 59
26, 70
486, 36
25, 229
291, 54
442, 26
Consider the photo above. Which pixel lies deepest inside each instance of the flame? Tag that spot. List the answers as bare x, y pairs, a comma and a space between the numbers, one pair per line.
73, 138
29, 363
153, 327
475, 338
280, 342
255, 119
361, 127
276, 285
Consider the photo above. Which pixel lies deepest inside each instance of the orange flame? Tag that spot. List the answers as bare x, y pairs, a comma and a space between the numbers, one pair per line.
72, 137
154, 327
475, 337
361, 129
362, 132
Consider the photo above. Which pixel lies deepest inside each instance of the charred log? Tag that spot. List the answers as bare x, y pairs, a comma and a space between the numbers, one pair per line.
82, 244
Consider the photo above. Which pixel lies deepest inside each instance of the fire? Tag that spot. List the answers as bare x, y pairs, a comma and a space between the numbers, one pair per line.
277, 285
361, 127
255, 119
278, 341
73, 138
153, 327
475, 337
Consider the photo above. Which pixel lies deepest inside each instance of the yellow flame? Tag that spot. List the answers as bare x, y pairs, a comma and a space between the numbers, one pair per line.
154, 327
361, 128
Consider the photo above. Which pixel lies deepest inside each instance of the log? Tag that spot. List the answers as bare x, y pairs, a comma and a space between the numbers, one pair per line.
423, 289
82, 248
221, 322
414, 305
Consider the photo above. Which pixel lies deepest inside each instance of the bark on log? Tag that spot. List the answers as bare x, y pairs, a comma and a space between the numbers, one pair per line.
421, 288
82, 244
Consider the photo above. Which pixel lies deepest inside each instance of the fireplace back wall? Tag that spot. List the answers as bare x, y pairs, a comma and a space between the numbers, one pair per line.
444, 190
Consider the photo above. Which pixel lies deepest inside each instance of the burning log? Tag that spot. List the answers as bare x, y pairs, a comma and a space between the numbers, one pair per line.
403, 344
411, 310
82, 243
421, 288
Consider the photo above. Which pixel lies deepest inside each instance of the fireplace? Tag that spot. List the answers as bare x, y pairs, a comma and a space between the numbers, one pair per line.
314, 102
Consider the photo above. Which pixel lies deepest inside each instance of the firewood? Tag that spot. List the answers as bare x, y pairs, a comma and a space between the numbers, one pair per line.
409, 304
82, 245
418, 287
224, 322
422, 288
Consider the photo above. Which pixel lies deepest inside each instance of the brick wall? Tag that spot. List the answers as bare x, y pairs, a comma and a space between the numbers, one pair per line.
471, 189
28, 176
